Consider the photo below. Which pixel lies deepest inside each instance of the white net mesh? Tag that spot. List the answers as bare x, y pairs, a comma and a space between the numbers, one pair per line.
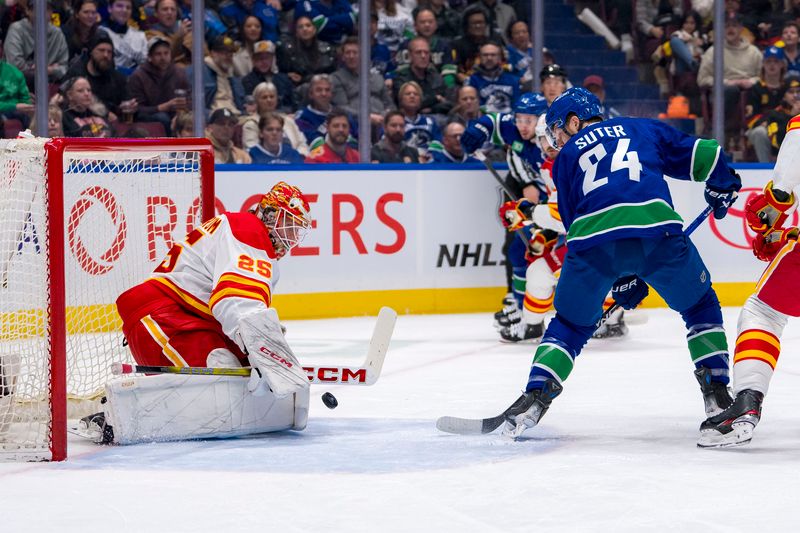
122, 211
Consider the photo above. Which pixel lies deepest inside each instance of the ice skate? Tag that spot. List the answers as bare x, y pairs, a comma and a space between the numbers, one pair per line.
95, 428
734, 426
530, 408
614, 326
509, 314
716, 395
522, 332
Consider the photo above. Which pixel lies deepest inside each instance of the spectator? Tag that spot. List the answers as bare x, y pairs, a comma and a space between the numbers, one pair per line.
392, 148
500, 15
178, 33
15, 100
687, 49
130, 44
394, 23
221, 125
448, 21
160, 87
468, 106
790, 35
475, 34
249, 35
742, 67
82, 27
380, 55
520, 53
108, 85
55, 124
421, 129
183, 125
222, 88
265, 70
553, 79
312, 118
497, 89
303, 55
435, 95
336, 18
450, 149
19, 46
441, 50
345, 85
81, 119
595, 85
335, 148
776, 120
654, 18
234, 13
273, 149
765, 96
266, 97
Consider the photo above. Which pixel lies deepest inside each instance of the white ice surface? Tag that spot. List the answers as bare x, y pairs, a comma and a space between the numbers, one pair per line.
616, 452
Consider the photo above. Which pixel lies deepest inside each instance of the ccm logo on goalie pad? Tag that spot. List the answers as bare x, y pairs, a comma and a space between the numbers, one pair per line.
336, 374
276, 357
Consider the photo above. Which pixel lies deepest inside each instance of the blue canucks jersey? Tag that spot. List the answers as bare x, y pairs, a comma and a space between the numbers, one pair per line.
421, 131
610, 179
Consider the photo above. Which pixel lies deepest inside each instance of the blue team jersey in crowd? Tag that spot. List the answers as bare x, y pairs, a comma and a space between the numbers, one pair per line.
496, 94
333, 23
610, 179
286, 155
421, 131
234, 14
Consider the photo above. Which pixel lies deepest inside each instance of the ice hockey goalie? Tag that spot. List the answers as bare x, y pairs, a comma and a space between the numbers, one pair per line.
208, 304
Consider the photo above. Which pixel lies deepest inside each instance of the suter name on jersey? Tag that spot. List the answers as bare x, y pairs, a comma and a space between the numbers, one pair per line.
598, 133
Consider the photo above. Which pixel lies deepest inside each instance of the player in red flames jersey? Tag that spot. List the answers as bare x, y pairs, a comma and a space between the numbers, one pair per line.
777, 296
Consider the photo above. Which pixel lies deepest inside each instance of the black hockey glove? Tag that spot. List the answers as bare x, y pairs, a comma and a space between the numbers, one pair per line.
629, 291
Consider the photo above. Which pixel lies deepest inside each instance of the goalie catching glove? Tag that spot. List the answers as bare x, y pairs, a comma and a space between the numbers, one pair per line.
274, 365
768, 210
514, 214
767, 245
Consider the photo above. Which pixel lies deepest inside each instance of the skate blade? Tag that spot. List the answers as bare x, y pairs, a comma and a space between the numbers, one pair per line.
742, 434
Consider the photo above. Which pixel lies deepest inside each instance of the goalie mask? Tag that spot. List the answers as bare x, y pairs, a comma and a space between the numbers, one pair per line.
285, 213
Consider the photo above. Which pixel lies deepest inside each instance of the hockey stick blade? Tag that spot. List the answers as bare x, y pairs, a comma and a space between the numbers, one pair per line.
367, 374
474, 426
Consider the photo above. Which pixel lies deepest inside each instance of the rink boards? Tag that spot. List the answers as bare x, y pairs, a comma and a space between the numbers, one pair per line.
427, 239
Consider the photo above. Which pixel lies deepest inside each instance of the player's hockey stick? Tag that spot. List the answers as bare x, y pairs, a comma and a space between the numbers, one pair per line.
477, 426
367, 374
480, 156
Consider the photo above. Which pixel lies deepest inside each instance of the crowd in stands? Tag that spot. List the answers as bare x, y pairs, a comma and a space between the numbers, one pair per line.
281, 83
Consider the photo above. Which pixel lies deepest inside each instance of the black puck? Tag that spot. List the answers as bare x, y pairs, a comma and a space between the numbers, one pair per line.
330, 400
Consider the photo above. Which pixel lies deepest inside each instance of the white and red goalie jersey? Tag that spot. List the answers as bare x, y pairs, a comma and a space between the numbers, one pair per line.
225, 268
194, 301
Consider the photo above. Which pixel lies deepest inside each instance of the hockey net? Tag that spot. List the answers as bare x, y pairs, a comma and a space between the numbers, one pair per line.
81, 221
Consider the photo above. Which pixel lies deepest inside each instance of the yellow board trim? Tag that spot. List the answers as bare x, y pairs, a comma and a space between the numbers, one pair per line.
338, 304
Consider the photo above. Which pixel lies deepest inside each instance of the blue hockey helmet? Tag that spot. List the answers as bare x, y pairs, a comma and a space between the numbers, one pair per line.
574, 101
531, 104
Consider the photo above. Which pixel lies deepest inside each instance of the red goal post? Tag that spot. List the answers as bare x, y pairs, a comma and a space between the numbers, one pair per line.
81, 220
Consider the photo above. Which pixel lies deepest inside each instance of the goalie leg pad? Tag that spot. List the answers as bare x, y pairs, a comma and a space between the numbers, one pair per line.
173, 407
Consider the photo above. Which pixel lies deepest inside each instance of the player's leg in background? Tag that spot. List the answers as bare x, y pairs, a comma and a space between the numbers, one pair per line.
674, 268
515, 257
540, 285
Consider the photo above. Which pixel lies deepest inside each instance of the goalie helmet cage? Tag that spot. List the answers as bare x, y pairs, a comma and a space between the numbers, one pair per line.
81, 220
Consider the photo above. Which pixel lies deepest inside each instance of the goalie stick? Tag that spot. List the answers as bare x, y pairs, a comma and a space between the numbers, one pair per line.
479, 426
367, 374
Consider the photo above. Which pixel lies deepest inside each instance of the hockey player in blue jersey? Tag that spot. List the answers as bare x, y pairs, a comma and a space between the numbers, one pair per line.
621, 229
516, 132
